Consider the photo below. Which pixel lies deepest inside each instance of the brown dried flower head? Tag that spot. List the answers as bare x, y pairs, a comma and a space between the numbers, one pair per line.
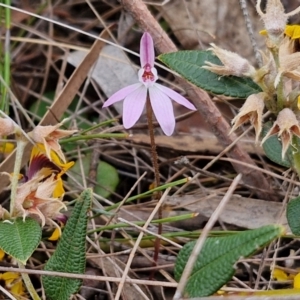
35, 198
285, 127
233, 64
289, 61
252, 112
274, 19
49, 136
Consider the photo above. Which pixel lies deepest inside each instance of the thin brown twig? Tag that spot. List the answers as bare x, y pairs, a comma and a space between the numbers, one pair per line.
91, 277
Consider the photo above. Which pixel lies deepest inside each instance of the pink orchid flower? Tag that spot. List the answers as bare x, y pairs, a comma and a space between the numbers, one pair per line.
135, 95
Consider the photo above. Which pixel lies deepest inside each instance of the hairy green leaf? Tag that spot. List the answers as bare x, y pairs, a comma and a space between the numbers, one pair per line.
215, 264
20, 238
69, 256
189, 65
296, 153
293, 215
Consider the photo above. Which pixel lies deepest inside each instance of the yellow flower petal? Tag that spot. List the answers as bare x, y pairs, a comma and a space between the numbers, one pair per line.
280, 275
293, 31
9, 276
18, 289
2, 254
6, 147
40, 149
13, 283
263, 32
59, 189
291, 276
55, 235
297, 281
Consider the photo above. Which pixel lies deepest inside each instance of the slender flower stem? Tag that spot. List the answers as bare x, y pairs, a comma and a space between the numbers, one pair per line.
28, 284
93, 136
280, 96
21, 144
156, 176
6, 63
279, 88
153, 145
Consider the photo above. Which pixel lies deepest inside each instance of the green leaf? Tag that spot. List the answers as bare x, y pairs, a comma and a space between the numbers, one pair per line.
273, 148
296, 154
70, 252
215, 264
189, 65
20, 238
107, 176
293, 215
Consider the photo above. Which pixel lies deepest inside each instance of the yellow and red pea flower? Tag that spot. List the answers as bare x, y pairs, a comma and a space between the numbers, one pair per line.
41, 165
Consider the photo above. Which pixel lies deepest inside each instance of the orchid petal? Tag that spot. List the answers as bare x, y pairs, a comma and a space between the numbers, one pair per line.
163, 110
147, 54
175, 96
133, 106
121, 94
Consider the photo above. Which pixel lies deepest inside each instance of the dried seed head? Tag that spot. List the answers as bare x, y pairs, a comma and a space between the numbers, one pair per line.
288, 61
233, 64
274, 19
251, 111
50, 136
285, 127
35, 198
